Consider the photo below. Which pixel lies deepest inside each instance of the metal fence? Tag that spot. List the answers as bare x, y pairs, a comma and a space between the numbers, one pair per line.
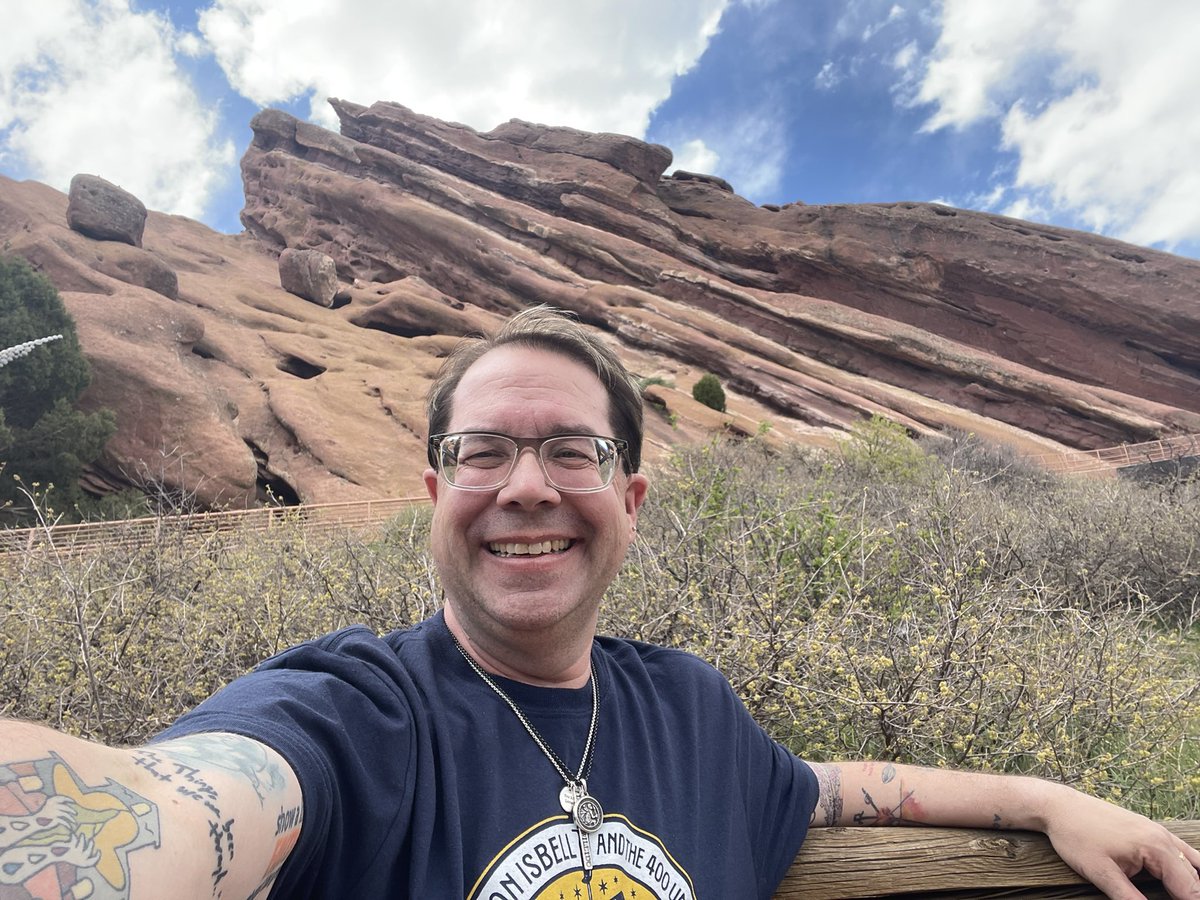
136, 532
1083, 461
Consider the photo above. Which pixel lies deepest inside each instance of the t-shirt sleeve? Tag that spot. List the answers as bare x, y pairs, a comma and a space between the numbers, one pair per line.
299, 703
781, 796
776, 790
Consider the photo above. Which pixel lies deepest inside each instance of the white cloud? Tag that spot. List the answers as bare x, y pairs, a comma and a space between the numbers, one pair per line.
695, 156
896, 12
748, 149
94, 87
1026, 208
905, 57
828, 78
599, 65
1097, 100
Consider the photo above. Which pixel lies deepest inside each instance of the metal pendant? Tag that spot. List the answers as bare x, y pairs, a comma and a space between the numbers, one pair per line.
588, 814
566, 798
570, 794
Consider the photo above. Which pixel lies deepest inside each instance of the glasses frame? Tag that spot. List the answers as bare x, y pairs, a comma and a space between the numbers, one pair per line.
535, 444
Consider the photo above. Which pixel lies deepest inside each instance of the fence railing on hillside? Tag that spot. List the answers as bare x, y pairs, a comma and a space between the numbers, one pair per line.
947, 863
133, 532
1083, 461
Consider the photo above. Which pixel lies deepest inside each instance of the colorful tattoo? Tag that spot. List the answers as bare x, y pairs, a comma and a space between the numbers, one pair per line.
829, 794
60, 838
287, 832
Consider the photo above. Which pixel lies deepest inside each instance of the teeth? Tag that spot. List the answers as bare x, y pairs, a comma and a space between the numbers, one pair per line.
528, 549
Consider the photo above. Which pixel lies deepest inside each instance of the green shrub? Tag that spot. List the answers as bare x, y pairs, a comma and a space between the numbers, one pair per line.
45, 441
708, 391
881, 451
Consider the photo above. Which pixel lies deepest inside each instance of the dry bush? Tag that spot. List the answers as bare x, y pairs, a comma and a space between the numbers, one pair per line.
925, 617
952, 608
115, 644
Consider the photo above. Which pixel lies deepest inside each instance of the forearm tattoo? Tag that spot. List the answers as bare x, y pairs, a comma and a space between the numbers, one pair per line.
829, 793
56, 831
904, 810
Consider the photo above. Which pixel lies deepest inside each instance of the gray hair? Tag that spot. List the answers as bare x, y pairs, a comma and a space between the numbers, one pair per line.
546, 328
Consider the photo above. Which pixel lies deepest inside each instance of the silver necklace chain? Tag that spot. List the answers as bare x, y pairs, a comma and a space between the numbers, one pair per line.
585, 811
585, 765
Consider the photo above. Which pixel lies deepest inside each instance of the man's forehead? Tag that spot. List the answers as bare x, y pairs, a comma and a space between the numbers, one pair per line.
565, 391
517, 362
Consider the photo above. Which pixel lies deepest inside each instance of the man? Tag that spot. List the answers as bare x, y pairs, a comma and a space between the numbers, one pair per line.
501, 749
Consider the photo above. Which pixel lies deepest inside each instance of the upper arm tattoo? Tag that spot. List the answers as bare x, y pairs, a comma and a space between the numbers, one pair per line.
60, 837
180, 762
236, 755
57, 832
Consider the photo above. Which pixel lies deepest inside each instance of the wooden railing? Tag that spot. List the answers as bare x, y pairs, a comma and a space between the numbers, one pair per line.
946, 863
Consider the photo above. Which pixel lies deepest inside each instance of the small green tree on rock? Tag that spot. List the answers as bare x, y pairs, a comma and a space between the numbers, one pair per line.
708, 391
44, 440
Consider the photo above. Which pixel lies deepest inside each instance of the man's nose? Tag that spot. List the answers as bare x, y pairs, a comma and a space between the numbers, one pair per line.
527, 485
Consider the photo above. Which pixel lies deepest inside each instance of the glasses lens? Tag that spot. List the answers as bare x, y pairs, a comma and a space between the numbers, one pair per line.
482, 462
579, 463
477, 461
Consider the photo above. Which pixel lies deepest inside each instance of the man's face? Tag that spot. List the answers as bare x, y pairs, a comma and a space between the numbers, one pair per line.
499, 597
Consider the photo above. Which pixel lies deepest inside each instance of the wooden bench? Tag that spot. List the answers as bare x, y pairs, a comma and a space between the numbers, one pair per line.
946, 863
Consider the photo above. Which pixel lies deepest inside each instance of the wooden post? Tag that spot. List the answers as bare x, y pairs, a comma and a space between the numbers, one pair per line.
949, 863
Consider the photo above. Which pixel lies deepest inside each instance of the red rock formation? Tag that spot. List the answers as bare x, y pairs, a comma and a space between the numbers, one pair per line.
812, 316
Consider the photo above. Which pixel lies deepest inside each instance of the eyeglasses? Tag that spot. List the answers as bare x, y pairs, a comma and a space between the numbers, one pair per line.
484, 461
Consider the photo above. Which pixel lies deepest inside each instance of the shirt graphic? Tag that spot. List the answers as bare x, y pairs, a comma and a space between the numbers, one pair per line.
544, 863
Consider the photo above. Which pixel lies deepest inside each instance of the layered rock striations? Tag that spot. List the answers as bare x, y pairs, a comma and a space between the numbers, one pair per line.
812, 316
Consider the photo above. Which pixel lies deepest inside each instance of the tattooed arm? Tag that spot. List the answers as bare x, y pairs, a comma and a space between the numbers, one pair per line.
1102, 842
207, 816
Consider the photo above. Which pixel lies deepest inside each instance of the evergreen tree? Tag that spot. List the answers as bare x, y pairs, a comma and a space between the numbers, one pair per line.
44, 441
708, 391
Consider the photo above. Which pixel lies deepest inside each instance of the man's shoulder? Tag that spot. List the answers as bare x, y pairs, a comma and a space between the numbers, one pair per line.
666, 667
353, 644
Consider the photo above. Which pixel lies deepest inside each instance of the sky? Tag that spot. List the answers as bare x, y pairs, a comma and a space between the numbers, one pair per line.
1079, 113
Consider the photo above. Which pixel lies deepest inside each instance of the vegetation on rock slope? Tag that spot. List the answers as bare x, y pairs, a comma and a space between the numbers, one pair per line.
44, 441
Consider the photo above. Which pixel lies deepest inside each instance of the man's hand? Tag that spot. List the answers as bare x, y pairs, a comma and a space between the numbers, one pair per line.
1107, 845
1103, 843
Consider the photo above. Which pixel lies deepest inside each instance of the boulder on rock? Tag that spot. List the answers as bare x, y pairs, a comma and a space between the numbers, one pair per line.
310, 274
101, 210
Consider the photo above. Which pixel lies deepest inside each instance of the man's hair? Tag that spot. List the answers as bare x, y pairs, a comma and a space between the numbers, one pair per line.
546, 328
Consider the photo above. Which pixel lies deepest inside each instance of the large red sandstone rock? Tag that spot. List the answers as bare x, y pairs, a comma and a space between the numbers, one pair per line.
812, 316
103, 211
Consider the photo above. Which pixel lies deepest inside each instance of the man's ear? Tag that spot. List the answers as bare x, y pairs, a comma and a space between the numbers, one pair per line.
431, 484
635, 495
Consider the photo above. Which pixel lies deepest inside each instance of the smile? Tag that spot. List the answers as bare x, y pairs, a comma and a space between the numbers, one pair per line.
556, 546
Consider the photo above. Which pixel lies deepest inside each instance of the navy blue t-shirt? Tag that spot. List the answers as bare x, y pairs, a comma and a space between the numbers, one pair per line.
419, 782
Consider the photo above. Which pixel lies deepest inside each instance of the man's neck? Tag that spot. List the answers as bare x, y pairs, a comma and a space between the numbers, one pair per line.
544, 662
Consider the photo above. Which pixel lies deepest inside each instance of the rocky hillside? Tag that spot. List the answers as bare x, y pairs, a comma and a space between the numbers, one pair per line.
227, 385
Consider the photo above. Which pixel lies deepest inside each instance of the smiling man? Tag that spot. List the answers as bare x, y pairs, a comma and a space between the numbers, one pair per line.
500, 749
